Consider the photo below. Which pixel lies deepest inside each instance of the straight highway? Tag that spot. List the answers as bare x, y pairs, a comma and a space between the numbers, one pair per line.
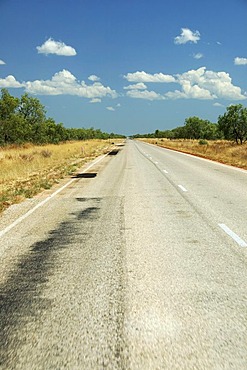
137, 262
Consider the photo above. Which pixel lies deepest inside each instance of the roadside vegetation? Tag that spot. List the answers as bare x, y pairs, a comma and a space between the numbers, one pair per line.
223, 151
28, 169
224, 141
232, 125
36, 152
23, 120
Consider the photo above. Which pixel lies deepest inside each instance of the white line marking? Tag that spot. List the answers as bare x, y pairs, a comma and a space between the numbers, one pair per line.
165, 171
199, 158
182, 187
234, 236
28, 213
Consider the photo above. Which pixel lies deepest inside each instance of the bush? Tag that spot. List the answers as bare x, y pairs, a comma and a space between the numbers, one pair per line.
202, 142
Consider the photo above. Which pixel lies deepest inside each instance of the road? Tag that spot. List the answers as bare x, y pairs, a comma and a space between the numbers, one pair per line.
138, 262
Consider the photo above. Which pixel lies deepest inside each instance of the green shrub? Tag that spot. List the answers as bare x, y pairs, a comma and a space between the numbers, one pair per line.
202, 142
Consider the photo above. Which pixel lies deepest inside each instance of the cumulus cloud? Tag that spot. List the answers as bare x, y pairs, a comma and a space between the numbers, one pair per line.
195, 84
144, 94
94, 78
62, 83
9, 82
203, 84
240, 61
2, 62
51, 46
138, 86
187, 36
198, 56
147, 77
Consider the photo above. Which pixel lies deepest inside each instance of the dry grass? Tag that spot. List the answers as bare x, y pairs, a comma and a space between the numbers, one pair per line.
27, 170
221, 151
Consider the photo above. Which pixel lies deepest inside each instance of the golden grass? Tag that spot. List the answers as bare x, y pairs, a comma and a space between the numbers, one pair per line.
27, 170
221, 151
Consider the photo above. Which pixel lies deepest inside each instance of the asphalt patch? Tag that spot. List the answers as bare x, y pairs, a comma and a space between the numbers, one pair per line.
85, 175
113, 152
21, 297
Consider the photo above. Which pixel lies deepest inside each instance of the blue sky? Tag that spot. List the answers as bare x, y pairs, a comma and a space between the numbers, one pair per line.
129, 66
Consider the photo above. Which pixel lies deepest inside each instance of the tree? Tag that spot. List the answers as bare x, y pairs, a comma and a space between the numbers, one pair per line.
233, 124
8, 108
31, 110
8, 105
34, 114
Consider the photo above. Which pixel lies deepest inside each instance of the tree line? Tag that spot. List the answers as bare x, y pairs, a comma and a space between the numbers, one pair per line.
24, 120
232, 125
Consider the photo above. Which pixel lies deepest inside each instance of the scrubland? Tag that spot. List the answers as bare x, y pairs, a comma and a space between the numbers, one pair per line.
29, 169
227, 152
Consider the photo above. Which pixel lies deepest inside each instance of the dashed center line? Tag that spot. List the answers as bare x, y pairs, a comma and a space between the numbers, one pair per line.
234, 236
225, 228
182, 188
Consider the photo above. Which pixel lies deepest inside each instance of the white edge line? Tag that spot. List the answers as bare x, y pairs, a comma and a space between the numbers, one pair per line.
182, 187
234, 236
199, 158
28, 213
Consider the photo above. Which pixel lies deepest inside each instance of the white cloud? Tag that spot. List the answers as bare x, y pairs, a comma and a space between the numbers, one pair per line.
198, 56
218, 105
9, 82
2, 62
64, 82
94, 78
240, 61
146, 77
195, 84
144, 94
112, 109
95, 100
190, 92
187, 36
138, 86
56, 47
202, 84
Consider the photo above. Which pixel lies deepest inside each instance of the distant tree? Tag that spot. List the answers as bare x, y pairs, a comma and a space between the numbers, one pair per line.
178, 133
24, 120
8, 109
34, 114
233, 124
32, 110
210, 131
8, 105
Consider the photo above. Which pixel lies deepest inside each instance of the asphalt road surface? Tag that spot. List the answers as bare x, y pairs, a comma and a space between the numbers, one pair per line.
138, 262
